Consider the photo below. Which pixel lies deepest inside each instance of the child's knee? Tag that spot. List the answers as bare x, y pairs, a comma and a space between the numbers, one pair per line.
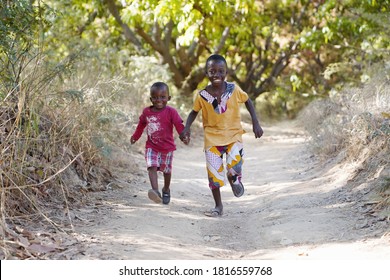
152, 168
214, 183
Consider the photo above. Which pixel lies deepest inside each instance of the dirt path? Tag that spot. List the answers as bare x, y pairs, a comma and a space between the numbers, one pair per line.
293, 208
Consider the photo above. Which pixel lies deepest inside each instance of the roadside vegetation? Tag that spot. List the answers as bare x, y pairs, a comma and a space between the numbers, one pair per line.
352, 128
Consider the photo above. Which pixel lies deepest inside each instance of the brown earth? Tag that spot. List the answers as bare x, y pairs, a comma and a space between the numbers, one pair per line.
294, 207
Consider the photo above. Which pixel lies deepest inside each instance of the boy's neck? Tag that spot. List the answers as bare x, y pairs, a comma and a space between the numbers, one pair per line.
218, 89
154, 109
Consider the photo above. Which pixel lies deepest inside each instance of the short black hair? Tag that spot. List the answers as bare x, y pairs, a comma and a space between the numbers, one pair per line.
215, 57
159, 85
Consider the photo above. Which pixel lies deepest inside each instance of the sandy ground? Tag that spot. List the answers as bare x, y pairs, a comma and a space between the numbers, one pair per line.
294, 208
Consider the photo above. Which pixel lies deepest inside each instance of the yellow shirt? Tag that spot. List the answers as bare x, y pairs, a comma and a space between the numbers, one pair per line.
221, 122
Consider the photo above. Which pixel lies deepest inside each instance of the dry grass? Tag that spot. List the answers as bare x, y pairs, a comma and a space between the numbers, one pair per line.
355, 126
38, 143
323, 120
60, 139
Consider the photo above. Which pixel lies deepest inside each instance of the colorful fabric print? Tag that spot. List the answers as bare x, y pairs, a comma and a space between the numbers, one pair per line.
163, 161
215, 167
222, 107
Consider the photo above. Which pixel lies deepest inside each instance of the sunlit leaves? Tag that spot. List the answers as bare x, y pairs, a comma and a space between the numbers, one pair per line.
192, 19
295, 82
266, 42
21, 25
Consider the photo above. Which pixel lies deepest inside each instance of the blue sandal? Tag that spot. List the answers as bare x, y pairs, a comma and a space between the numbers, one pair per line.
166, 197
237, 186
214, 212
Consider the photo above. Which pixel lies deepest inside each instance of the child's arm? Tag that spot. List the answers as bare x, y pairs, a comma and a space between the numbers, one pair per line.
257, 130
179, 126
186, 133
138, 131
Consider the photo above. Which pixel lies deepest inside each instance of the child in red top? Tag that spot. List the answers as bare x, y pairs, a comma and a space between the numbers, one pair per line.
159, 120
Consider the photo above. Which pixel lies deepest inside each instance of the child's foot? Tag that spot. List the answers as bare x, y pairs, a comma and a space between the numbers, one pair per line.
214, 212
166, 197
154, 195
237, 186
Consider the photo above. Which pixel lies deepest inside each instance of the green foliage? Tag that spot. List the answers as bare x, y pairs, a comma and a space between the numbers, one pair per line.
182, 33
270, 45
20, 24
301, 48
355, 32
82, 29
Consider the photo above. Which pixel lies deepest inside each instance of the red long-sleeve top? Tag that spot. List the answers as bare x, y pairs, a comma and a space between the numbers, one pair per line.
159, 128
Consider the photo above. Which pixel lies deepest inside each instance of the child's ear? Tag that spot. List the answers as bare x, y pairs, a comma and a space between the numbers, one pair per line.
169, 98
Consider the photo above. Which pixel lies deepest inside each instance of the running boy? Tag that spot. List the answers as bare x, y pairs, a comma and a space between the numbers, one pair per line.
219, 103
159, 120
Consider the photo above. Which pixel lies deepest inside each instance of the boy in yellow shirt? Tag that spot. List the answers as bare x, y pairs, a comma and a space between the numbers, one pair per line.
220, 106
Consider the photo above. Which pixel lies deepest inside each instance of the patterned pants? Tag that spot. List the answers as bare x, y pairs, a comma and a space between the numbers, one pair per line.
163, 161
214, 160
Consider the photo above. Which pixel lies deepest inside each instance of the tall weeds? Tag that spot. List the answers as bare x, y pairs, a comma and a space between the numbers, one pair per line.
59, 122
354, 125
57, 133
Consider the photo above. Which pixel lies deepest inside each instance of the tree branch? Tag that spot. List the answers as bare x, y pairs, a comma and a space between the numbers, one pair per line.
90, 19
129, 34
221, 44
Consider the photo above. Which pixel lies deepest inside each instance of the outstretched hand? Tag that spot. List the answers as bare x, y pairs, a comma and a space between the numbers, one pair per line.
132, 140
257, 130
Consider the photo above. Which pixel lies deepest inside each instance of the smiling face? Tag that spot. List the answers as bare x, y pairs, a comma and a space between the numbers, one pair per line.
216, 71
159, 96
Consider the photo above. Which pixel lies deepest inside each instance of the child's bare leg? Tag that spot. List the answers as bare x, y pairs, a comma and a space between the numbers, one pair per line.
153, 177
167, 182
216, 177
165, 190
218, 200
